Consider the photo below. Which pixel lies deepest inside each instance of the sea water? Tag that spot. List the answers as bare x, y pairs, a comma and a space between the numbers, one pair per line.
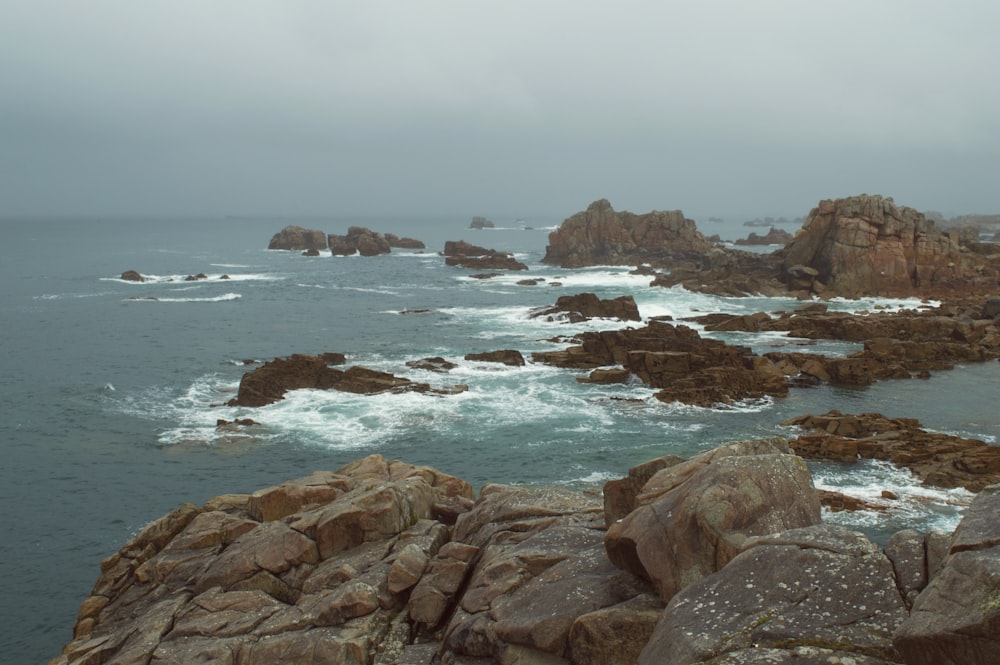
111, 389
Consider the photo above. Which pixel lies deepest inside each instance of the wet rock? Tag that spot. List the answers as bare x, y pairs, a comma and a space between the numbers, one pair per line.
585, 306
132, 276
956, 618
404, 242
510, 357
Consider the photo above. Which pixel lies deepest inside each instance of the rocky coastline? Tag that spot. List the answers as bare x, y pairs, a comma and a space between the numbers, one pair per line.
720, 558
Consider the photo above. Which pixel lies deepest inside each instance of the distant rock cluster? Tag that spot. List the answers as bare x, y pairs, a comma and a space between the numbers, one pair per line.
358, 240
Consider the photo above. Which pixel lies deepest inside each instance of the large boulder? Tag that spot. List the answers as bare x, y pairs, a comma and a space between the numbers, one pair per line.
461, 254
774, 236
298, 238
694, 517
867, 245
359, 240
956, 619
601, 236
819, 594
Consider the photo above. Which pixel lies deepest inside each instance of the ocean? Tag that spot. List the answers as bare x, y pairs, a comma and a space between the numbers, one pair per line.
111, 389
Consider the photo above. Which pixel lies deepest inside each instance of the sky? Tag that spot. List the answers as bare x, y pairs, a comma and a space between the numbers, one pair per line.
722, 108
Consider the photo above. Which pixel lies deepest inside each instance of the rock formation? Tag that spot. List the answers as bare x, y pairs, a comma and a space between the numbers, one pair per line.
684, 366
942, 460
359, 240
601, 236
464, 255
269, 382
956, 619
510, 357
298, 238
383, 563
479, 222
867, 245
774, 236
404, 243
132, 276
585, 306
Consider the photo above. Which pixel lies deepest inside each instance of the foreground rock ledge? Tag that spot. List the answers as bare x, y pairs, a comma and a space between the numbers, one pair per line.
383, 563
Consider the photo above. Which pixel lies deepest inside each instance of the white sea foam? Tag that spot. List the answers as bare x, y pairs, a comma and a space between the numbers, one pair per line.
221, 298
151, 280
867, 479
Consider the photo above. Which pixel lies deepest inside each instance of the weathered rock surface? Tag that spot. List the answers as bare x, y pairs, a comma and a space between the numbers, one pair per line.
585, 306
269, 382
601, 236
404, 242
693, 517
942, 460
359, 240
383, 563
819, 594
464, 255
956, 618
298, 238
686, 367
867, 245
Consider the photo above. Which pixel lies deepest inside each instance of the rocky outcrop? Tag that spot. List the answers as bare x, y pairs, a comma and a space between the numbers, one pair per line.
693, 517
269, 382
404, 242
585, 306
382, 563
479, 222
956, 618
818, 594
896, 345
774, 236
510, 357
601, 236
298, 238
359, 240
464, 255
684, 366
941, 460
867, 245
132, 276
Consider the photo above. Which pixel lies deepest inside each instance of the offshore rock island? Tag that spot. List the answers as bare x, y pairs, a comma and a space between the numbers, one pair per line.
721, 558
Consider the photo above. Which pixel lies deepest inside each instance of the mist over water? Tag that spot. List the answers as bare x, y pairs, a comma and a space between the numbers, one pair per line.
112, 388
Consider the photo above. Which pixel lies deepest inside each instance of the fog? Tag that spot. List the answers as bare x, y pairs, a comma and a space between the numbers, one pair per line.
724, 108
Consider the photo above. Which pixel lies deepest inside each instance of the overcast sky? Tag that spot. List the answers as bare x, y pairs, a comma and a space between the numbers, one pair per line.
730, 108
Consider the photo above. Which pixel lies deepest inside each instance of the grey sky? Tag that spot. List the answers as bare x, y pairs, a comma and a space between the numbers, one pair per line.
727, 107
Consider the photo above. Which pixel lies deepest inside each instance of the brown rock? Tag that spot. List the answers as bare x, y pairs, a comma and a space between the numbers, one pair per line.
404, 242
511, 357
298, 238
774, 236
956, 618
694, 517
600, 235
866, 245
132, 276
359, 240
587, 305
821, 586
943, 460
